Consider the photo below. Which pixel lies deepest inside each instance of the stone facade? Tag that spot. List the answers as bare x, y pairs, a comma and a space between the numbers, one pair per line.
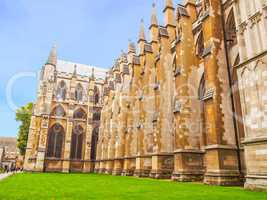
187, 104
65, 121
8, 152
176, 106
247, 52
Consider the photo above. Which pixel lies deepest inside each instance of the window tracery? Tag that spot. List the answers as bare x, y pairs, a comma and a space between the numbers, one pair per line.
61, 91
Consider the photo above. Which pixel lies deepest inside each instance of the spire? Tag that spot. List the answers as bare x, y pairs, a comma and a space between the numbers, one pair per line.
123, 57
131, 47
75, 70
52, 59
142, 31
169, 13
168, 4
154, 19
123, 54
93, 73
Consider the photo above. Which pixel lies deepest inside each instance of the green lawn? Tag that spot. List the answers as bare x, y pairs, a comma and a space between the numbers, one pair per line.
103, 187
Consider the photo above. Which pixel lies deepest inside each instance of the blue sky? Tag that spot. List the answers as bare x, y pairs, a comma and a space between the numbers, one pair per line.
85, 31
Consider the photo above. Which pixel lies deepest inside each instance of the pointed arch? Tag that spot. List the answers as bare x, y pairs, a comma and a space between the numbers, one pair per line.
259, 69
245, 71
58, 111
79, 92
200, 44
61, 90
231, 35
96, 95
96, 116
55, 141
202, 88
237, 60
77, 142
94, 140
201, 95
80, 114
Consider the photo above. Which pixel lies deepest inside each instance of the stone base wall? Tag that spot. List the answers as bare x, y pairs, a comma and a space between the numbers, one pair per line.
257, 183
188, 165
256, 154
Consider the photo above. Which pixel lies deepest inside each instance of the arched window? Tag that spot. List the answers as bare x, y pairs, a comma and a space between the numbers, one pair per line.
202, 88
61, 90
96, 116
80, 114
237, 60
58, 111
231, 36
96, 95
94, 143
77, 143
201, 94
79, 93
55, 141
200, 45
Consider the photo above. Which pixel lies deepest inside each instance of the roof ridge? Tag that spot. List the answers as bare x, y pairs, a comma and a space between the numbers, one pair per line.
92, 66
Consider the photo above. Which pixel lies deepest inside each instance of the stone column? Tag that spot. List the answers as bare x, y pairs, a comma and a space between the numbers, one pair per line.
40, 160
127, 171
162, 158
119, 144
111, 152
88, 165
188, 158
67, 148
221, 151
30, 157
140, 160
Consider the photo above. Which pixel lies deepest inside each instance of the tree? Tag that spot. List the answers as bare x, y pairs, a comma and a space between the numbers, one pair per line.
23, 115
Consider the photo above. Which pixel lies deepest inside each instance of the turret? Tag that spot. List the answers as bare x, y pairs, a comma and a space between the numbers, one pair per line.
93, 74
190, 5
131, 51
52, 59
154, 32
154, 19
131, 47
49, 69
142, 38
169, 13
75, 71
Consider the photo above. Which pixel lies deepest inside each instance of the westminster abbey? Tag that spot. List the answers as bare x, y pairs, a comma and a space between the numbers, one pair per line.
188, 102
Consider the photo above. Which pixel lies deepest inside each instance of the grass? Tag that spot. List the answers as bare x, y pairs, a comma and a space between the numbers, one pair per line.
103, 187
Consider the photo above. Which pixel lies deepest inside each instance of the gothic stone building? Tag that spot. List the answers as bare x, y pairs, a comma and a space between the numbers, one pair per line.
187, 104
8, 153
190, 103
65, 121
246, 40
